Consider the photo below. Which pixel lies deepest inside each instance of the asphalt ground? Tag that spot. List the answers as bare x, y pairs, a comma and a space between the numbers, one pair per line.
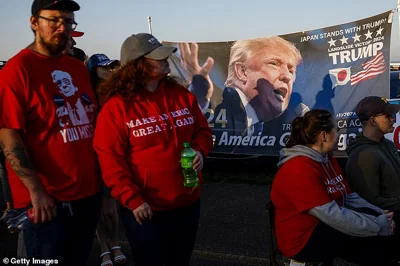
232, 230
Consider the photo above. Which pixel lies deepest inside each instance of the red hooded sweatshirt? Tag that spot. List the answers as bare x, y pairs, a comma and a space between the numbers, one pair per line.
139, 142
301, 184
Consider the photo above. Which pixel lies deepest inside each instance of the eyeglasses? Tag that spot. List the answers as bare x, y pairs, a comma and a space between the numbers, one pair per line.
58, 21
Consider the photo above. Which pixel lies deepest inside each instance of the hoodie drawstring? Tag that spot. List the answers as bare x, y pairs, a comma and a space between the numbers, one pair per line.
175, 134
68, 205
165, 110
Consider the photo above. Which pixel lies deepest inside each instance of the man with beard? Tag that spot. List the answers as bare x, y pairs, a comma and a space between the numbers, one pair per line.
51, 165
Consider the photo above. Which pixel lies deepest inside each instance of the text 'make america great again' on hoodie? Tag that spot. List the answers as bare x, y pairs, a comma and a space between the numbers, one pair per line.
139, 142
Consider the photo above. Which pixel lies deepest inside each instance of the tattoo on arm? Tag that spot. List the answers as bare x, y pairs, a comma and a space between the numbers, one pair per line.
2, 162
18, 159
2, 158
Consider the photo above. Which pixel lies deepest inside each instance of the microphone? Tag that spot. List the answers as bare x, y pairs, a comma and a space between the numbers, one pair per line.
301, 109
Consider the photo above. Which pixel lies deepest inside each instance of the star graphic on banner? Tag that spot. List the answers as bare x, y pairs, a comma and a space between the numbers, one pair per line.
344, 40
379, 32
368, 35
356, 37
332, 42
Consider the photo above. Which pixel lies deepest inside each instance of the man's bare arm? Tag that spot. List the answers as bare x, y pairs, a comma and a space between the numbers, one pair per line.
15, 152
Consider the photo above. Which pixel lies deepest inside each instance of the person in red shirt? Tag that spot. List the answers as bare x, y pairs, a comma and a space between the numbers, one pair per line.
47, 120
146, 118
317, 217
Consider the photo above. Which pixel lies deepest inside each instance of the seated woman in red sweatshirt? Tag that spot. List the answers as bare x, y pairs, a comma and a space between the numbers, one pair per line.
139, 136
317, 217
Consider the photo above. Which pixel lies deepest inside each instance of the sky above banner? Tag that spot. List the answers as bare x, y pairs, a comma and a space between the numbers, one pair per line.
182, 20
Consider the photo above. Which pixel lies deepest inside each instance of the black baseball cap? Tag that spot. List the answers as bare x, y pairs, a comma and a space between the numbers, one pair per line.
69, 5
144, 44
373, 105
79, 54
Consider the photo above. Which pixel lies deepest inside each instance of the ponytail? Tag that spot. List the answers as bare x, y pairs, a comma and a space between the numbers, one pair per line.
296, 135
306, 129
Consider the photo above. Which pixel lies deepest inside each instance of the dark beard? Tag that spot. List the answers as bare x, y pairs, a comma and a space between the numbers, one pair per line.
55, 49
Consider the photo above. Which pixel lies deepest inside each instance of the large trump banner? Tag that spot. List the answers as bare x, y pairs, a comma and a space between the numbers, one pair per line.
260, 85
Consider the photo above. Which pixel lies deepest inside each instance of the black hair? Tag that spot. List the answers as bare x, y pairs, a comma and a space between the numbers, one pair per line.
95, 80
79, 54
306, 129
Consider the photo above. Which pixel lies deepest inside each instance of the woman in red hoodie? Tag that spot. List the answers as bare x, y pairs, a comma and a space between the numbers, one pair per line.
317, 217
139, 136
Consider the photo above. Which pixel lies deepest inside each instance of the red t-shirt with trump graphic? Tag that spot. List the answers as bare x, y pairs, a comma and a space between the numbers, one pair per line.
51, 101
300, 185
139, 143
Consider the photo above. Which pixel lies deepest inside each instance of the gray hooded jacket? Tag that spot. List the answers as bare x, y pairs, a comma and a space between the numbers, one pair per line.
343, 218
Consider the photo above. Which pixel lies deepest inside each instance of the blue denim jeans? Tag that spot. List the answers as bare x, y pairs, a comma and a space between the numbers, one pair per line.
68, 237
167, 239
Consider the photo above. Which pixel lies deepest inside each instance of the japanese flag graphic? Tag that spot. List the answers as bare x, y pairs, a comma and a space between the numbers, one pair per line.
340, 76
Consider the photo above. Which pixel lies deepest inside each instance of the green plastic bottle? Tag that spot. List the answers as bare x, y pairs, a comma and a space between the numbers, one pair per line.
190, 178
